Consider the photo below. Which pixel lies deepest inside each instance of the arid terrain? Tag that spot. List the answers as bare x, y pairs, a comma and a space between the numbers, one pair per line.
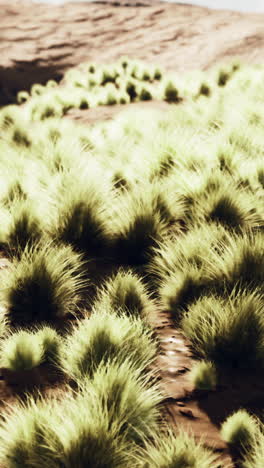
40, 42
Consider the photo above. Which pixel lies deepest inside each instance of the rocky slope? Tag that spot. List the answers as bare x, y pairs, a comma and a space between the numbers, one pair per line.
40, 41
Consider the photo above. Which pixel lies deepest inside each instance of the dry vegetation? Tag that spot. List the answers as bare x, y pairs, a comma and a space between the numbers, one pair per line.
106, 226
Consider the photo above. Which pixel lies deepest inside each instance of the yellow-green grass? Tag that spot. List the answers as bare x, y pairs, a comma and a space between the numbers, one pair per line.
177, 450
203, 375
240, 430
175, 200
103, 337
24, 350
228, 331
47, 282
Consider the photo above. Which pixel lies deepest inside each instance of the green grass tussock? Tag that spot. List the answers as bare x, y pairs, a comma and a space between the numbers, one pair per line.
137, 237
126, 292
104, 337
100, 426
82, 220
229, 331
51, 343
129, 396
25, 228
239, 430
77, 432
253, 458
177, 451
203, 375
46, 283
240, 262
165, 205
21, 351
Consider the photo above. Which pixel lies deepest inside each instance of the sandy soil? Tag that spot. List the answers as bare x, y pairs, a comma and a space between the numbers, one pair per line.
39, 41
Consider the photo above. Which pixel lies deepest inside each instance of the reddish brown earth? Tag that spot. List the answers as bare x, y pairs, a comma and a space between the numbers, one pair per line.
39, 41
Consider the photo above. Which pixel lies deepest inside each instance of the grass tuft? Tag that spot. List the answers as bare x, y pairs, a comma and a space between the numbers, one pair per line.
239, 430
81, 220
102, 338
51, 344
215, 324
177, 451
203, 375
125, 291
21, 351
46, 283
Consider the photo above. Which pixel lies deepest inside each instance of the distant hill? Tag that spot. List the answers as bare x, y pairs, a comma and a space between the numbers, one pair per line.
39, 43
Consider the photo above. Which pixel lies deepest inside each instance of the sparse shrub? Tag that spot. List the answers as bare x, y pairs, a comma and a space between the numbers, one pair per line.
46, 283
124, 98
102, 338
109, 75
54, 134
8, 116
239, 430
50, 110
120, 181
229, 331
124, 62
146, 75
165, 166
203, 375
91, 68
21, 351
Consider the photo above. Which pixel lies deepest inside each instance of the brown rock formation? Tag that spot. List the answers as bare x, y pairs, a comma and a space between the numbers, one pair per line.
41, 41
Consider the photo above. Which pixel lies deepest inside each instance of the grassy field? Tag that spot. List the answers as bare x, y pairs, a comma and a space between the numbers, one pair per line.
104, 226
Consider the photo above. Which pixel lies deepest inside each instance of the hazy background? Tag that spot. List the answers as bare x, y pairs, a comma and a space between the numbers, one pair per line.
240, 5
